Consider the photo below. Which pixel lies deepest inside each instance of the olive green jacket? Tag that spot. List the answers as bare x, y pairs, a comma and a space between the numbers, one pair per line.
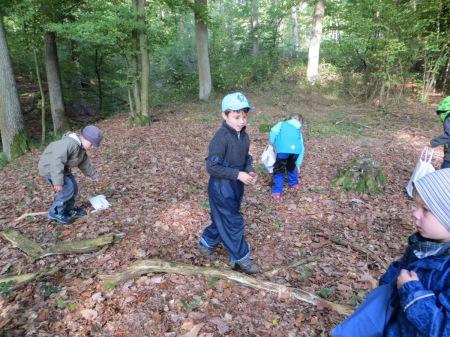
64, 154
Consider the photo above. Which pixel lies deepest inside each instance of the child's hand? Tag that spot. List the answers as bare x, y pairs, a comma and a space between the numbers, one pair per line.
298, 170
98, 180
255, 177
405, 277
246, 178
57, 188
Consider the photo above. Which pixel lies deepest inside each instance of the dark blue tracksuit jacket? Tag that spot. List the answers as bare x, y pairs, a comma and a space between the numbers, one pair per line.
228, 154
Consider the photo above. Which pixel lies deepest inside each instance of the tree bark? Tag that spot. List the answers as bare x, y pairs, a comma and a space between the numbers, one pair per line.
312, 72
41, 90
202, 43
295, 29
135, 64
12, 129
145, 74
59, 116
255, 28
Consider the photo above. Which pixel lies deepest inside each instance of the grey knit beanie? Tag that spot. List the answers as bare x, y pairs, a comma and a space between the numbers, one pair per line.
92, 134
434, 189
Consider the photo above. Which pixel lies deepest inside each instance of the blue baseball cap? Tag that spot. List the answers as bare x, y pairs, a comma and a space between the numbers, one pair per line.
235, 101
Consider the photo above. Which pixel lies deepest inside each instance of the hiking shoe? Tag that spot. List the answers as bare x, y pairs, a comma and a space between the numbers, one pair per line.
207, 252
297, 187
60, 217
75, 211
247, 266
276, 196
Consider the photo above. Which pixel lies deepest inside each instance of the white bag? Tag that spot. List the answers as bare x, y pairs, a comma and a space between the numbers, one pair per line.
423, 167
99, 202
268, 158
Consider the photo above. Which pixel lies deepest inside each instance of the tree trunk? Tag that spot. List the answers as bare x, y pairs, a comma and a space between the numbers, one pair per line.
41, 90
312, 72
255, 28
201, 41
13, 133
295, 29
135, 64
145, 74
98, 63
59, 116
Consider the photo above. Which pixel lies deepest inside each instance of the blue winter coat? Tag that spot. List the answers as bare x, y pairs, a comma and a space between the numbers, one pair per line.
287, 138
424, 305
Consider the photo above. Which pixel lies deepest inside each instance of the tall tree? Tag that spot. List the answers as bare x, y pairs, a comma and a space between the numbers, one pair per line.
312, 72
295, 28
13, 133
58, 109
202, 43
145, 62
255, 27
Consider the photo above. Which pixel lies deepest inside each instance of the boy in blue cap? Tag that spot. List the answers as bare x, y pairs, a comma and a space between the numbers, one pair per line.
55, 164
229, 166
443, 111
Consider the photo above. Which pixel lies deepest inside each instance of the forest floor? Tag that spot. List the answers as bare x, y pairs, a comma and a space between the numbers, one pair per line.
156, 181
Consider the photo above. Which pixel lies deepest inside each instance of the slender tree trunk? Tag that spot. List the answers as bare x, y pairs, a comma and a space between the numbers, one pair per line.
202, 43
130, 98
76, 62
255, 28
98, 64
295, 29
314, 45
59, 116
41, 89
145, 74
13, 133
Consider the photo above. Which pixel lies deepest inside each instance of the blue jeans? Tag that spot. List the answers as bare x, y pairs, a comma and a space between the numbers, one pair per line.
66, 198
445, 164
285, 162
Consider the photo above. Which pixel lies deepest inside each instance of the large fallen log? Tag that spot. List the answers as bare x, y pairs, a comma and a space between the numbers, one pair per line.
38, 251
160, 266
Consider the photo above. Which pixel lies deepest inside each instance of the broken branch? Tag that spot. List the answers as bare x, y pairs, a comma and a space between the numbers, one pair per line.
38, 251
159, 266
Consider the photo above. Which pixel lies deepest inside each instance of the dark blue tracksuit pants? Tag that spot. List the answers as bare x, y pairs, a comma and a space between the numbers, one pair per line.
285, 162
66, 198
225, 197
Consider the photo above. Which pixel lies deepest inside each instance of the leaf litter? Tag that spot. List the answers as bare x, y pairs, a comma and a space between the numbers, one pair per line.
155, 179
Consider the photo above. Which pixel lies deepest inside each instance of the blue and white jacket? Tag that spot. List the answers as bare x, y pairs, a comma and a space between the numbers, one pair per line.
287, 138
423, 306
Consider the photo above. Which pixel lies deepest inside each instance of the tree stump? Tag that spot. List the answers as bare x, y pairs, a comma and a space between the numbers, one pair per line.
362, 175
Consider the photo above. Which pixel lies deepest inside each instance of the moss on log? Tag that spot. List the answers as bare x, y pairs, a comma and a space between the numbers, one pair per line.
38, 251
362, 175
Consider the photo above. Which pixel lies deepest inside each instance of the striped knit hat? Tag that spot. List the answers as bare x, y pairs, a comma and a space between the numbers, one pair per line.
434, 189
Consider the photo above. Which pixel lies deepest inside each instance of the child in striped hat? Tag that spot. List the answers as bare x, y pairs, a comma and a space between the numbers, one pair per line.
423, 274
414, 293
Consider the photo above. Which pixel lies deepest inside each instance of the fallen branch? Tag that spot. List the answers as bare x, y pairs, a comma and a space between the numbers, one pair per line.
24, 278
154, 266
29, 214
292, 264
343, 242
38, 251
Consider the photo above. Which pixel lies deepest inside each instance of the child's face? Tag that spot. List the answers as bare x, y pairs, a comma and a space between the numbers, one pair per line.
236, 119
86, 144
428, 225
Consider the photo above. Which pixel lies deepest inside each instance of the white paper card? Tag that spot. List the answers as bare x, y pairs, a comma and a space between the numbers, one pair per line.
99, 202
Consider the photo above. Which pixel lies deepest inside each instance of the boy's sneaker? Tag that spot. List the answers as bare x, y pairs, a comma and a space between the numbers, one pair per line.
74, 211
247, 266
296, 187
207, 252
60, 217
276, 196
